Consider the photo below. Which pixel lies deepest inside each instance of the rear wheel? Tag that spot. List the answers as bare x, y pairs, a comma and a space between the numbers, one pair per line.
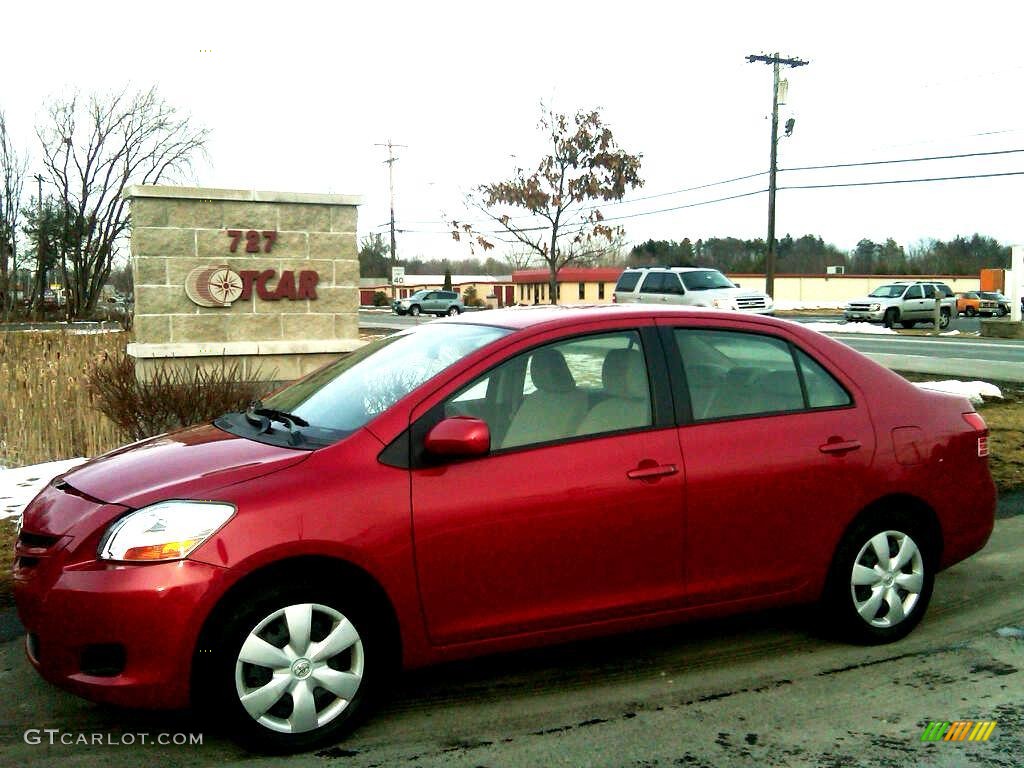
971, 312
414, 310
881, 579
890, 317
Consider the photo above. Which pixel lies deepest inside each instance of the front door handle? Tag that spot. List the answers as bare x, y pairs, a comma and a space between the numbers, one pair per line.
646, 473
839, 447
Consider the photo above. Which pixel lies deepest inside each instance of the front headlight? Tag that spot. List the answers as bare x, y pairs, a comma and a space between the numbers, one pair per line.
167, 530
875, 307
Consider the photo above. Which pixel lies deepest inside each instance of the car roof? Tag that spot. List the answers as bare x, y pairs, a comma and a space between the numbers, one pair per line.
555, 315
671, 269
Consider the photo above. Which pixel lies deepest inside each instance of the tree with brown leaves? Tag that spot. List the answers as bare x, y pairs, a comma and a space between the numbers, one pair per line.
562, 223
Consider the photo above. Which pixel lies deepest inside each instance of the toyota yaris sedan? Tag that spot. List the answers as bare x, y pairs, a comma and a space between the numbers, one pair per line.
490, 483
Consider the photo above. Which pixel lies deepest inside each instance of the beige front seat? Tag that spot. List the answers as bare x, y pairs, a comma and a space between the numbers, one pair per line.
554, 410
628, 406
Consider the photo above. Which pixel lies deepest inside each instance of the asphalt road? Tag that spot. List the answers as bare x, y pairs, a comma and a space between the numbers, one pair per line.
754, 691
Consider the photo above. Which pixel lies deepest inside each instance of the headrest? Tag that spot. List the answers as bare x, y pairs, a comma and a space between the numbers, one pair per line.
623, 374
549, 371
780, 383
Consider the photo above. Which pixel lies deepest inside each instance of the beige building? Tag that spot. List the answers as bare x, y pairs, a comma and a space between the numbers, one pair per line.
577, 285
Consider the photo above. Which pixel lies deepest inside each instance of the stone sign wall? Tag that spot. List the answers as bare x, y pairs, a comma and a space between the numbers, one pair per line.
267, 279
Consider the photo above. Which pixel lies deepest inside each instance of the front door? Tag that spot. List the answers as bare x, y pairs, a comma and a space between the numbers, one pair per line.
576, 514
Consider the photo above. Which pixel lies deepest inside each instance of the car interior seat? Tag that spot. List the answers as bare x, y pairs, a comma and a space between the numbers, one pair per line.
628, 405
554, 410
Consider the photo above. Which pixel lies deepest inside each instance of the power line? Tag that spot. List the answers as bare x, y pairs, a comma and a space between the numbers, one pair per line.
904, 181
903, 160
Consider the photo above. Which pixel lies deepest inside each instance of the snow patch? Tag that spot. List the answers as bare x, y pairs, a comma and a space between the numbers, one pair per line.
19, 486
972, 390
849, 328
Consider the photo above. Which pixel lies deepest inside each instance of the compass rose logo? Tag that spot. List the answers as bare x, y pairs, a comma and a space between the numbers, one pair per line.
213, 286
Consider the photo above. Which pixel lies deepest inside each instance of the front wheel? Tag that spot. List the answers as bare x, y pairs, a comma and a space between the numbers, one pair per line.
414, 310
291, 668
944, 319
881, 580
890, 317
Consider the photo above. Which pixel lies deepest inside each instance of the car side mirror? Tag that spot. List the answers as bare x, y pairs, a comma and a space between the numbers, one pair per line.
737, 285
459, 436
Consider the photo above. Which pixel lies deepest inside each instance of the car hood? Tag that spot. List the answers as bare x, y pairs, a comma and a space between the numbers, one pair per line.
186, 464
869, 300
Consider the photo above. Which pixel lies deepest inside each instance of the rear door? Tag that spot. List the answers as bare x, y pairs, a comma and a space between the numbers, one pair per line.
777, 448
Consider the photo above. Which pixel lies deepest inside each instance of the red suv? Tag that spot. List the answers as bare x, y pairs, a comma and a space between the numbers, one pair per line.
492, 482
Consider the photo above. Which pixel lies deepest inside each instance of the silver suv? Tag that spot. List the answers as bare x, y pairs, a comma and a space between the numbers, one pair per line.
438, 303
906, 303
689, 286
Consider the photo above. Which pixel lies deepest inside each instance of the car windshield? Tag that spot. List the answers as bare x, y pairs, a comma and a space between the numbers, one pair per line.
419, 294
993, 295
888, 291
344, 396
705, 280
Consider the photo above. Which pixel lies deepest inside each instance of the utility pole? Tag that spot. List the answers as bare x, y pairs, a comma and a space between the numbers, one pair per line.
41, 281
775, 61
390, 162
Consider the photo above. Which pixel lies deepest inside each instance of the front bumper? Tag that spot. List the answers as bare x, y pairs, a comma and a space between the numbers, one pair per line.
864, 315
140, 621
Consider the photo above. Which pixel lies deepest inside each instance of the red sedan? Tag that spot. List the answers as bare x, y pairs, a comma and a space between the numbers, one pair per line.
490, 482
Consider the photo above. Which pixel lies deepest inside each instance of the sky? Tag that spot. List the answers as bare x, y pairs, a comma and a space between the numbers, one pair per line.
298, 96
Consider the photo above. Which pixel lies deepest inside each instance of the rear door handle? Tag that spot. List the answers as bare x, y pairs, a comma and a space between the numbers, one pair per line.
839, 447
645, 473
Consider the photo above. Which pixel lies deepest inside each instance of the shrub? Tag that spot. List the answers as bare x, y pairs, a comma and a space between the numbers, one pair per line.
174, 396
380, 299
470, 299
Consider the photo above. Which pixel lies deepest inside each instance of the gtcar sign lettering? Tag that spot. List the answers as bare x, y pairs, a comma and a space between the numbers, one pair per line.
221, 286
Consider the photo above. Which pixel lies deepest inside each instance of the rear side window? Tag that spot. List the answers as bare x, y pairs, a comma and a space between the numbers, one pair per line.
823, 391
628, 281
654, 283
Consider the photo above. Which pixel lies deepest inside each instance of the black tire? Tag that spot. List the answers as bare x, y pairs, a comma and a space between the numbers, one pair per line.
891, 316
908, 323
842, 595
361, 667
452, 311
944, 319
414, 310
970, 312
1003, 311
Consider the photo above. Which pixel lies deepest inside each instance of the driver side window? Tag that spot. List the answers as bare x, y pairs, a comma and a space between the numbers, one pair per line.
581, 386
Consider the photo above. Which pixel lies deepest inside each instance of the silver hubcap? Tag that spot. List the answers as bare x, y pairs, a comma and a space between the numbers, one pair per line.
299, 668
887, 579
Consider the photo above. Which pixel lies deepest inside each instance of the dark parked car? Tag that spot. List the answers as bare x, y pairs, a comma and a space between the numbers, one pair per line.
1002, 303
493, 482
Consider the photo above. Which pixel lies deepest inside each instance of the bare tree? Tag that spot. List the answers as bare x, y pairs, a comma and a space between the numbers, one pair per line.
12, 183
93, 148
562, 223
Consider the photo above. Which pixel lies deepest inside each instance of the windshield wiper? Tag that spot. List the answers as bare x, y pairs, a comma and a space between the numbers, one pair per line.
261, 417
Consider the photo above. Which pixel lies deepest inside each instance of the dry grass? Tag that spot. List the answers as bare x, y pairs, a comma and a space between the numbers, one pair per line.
6, 576
46, 412
1006, 444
